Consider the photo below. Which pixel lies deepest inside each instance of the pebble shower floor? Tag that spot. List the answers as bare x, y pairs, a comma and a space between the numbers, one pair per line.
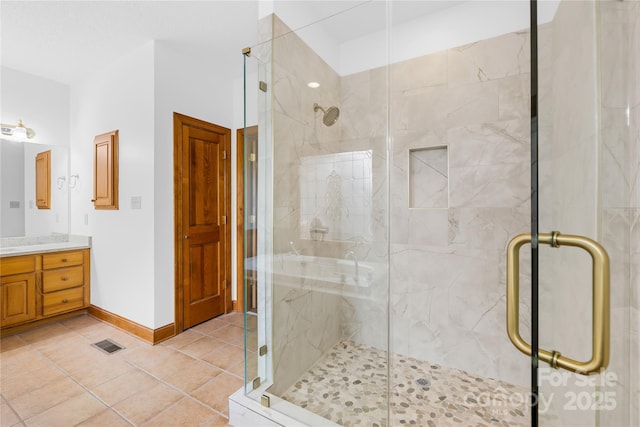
349, 387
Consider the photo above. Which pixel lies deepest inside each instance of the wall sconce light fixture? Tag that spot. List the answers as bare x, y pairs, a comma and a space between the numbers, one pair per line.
18, 132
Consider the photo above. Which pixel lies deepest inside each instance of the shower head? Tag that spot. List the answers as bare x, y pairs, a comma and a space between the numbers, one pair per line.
330, 116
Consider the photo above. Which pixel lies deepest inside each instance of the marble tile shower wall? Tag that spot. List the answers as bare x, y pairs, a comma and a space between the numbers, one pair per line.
571, 184
447, 264
620, 169
634, 174
364, 126
305, 322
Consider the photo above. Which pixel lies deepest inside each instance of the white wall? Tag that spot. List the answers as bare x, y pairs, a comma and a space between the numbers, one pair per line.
187, 85
132, 253
42, 104
118, 96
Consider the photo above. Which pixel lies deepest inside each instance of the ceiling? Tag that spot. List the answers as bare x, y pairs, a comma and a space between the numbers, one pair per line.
66, 40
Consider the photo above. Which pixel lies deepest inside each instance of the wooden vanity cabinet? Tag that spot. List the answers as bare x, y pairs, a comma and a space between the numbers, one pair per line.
37, 287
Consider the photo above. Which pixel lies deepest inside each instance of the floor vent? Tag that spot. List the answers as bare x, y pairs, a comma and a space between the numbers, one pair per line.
108, 346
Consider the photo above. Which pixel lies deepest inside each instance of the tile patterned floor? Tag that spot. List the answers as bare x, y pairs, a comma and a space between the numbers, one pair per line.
349, 387
52, 376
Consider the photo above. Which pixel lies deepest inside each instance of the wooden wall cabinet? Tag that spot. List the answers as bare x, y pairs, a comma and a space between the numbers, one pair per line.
43, 180
40, 286
105, 171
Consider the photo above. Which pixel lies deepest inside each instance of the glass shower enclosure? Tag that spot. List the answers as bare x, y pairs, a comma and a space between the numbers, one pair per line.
401, 146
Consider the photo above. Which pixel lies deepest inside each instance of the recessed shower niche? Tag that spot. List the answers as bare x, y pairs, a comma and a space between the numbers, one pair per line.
429, 177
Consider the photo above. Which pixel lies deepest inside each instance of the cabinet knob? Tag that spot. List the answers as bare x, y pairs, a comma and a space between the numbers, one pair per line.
64, 301
186, 236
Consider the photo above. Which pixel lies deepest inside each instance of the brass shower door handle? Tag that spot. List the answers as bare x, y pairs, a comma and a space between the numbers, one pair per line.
600, 309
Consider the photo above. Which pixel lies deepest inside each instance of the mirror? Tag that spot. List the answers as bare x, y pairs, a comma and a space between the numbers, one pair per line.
19, 214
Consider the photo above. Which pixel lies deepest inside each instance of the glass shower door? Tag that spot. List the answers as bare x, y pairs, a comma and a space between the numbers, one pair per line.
381, 230
255, 256
320, 203
584, 160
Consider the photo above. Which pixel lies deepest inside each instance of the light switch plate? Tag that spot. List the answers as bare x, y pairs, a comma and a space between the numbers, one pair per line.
136, 202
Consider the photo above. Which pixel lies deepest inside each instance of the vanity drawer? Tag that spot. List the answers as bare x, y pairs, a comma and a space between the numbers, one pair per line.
62, 278
57, 302
17, 265
61, 259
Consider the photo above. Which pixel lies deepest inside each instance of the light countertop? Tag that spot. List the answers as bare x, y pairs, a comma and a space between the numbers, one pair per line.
34, 246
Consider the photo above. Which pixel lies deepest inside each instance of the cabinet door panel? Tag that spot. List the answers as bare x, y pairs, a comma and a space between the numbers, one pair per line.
18, 299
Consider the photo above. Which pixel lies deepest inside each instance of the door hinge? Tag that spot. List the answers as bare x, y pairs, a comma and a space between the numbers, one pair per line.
224, 219
224, 154
255, 383
265, 401
252, 219
263, 350
252, 157
263, 86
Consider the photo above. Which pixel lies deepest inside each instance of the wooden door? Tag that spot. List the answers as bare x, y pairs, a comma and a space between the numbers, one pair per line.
202, 207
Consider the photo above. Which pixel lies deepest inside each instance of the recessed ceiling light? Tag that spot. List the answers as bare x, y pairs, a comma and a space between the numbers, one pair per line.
313, 85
